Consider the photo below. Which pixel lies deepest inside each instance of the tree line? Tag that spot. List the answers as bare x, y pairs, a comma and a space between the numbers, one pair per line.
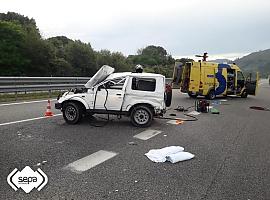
23, 52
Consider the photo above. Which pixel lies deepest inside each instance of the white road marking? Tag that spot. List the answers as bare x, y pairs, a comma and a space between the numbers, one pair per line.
27, 120
147, 134
90, 161
24, 102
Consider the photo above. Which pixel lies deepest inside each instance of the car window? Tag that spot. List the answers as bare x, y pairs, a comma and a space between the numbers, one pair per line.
115, 84
144, 84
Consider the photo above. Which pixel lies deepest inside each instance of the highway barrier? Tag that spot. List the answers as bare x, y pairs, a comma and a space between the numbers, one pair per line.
33, 84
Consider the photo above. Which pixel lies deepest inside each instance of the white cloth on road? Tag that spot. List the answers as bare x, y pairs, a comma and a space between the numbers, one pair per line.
180, 156
173, 154
159, 155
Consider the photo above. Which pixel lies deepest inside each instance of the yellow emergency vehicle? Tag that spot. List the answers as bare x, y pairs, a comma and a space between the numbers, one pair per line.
210, 79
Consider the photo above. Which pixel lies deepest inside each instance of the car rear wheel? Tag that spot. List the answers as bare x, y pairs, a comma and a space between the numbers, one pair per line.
141, 116
72, 113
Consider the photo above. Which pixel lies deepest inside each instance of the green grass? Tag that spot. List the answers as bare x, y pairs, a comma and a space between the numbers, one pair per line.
27, 96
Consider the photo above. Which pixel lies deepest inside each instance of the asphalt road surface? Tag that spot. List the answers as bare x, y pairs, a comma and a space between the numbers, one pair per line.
232, 152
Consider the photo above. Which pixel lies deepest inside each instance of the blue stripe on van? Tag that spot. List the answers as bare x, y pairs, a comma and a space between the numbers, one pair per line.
221, 79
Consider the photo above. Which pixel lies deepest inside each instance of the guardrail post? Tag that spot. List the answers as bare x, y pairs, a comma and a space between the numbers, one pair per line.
50, 91
16, 92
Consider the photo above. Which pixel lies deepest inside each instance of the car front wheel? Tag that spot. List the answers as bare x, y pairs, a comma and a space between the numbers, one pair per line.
141, 116
72, 113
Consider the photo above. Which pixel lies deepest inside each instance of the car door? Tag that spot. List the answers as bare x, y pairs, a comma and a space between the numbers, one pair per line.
252, 85
109, 95
240, 82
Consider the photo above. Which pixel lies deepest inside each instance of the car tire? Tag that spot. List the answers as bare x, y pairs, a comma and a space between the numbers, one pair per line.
141, 116
211, 95
192, 95
244, 94
72, 113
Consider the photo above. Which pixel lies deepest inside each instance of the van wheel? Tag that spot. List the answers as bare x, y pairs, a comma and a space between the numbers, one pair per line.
211, 95
72, 113
141, 116
244, 94
192, 95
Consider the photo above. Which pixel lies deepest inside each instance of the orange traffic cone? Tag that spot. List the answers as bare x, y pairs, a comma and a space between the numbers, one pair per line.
48, 112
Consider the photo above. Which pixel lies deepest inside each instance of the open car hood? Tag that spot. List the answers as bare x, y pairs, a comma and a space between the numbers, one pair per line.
100, 76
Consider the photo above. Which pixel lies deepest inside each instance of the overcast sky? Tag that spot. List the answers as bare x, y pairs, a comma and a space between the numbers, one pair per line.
223, 28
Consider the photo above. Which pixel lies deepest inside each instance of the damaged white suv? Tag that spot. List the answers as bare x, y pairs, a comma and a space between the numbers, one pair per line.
138, 95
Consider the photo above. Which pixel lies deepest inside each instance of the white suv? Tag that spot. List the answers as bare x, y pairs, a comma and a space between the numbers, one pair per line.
138, 95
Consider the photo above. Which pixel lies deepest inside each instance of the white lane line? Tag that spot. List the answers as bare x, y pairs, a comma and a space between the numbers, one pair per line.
26, 120
24, 102
90, 161
147, 134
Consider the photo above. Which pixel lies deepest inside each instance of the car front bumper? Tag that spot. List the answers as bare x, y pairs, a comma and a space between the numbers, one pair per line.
58, 106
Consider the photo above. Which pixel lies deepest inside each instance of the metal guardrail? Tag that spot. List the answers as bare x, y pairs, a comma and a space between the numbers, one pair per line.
30, 84
33, 84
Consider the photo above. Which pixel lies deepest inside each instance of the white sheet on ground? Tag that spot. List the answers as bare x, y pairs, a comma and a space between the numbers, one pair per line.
180, 156
159, 155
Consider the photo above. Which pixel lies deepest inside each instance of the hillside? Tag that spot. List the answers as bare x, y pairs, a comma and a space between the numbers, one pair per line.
221, 61
257, 61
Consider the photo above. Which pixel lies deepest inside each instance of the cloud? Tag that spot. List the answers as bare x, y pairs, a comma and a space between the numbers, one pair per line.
183, 27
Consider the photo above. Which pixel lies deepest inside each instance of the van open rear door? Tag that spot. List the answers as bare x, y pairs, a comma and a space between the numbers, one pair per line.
252, 85
181, 76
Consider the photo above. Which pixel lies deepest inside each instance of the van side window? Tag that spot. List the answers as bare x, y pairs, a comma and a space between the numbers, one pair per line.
116, 84
143, 84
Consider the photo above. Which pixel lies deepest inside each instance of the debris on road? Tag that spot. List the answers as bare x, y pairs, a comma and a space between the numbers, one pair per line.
132, 143
19, 133
214, 111
194, 112
259, 108
175, 122
216, 102
172, 153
